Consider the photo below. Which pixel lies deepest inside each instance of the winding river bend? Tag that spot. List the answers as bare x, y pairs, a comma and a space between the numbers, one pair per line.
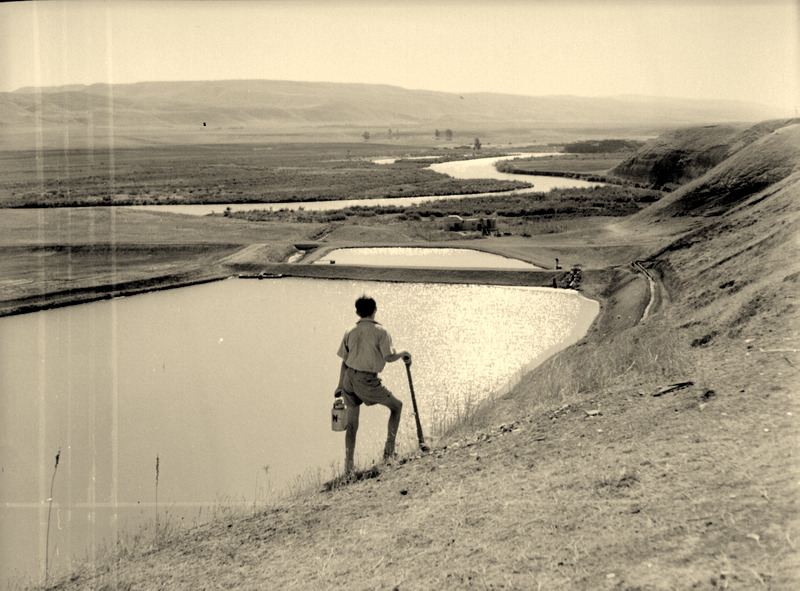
479, 168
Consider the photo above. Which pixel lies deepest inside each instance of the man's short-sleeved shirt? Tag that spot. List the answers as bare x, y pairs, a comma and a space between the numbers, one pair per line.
365, 346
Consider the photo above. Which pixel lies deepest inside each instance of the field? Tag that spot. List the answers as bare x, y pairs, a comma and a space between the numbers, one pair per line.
233, 173
565, 163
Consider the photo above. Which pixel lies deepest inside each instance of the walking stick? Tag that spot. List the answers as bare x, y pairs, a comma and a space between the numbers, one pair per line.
421, 439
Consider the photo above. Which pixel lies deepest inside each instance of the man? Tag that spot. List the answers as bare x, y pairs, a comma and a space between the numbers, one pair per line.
365, 350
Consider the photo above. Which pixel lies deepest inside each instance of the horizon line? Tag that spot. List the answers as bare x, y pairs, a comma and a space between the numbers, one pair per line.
29, 89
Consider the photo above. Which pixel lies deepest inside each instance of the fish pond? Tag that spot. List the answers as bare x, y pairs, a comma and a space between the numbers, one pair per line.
173, 406
393, 256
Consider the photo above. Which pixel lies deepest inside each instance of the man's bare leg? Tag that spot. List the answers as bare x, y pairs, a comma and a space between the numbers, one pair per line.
395, 407
353, 413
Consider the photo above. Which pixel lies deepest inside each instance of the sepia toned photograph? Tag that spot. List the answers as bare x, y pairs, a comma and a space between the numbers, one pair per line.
400, 295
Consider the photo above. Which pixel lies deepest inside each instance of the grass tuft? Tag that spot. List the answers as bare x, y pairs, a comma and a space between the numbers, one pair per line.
49, 512
623, 479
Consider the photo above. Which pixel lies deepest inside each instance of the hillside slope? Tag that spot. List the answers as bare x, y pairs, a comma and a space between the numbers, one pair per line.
738, 273
331, 103
768, 160
680, 156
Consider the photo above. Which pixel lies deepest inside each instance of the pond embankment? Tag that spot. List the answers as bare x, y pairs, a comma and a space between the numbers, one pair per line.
92, 292
406, 275
88, 291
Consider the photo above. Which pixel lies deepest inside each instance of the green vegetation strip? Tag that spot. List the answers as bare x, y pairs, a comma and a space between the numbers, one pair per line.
558, 203
228, 174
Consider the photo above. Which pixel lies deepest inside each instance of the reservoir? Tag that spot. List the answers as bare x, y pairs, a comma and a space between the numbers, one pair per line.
451, 258
175, 405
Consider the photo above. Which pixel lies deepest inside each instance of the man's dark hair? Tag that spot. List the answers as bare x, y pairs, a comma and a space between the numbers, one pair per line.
365, 306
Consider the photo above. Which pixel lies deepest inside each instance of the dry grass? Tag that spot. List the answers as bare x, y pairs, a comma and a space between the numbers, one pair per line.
641, 358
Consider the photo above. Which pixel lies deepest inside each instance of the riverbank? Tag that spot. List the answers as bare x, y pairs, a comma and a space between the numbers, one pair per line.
144, 535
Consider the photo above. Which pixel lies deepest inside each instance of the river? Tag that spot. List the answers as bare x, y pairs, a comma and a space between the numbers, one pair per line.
478, 168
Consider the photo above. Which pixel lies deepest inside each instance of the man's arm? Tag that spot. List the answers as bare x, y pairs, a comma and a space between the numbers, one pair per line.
388, 352
342, 352
404, 355
339, 388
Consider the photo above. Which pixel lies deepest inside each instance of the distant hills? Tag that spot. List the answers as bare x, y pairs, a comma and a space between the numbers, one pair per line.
246, 110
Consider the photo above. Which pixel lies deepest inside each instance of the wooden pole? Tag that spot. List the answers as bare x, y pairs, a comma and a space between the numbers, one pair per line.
420, 437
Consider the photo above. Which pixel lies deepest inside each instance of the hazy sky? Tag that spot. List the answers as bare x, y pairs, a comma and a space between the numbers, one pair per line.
723, 49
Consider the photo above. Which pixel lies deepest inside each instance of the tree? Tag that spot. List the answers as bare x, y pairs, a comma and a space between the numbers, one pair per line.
477, 144
436, 134
390, 133
365, 135
448, 135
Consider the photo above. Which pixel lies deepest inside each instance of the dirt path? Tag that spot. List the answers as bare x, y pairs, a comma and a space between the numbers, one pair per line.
652, 287
247, 253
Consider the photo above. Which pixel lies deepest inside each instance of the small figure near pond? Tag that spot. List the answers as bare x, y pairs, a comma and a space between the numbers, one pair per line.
365, 349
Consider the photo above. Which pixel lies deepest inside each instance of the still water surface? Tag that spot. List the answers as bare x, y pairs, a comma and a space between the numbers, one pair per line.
451, 258
229, 385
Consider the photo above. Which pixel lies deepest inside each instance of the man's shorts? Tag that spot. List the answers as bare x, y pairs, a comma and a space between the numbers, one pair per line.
364, 386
